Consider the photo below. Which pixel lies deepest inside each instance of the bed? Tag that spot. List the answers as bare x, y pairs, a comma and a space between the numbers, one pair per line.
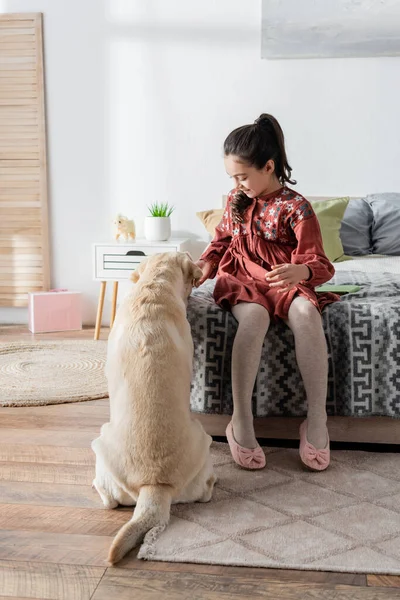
363, 337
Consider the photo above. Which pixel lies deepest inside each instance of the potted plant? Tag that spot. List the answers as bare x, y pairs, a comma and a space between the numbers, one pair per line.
157, 226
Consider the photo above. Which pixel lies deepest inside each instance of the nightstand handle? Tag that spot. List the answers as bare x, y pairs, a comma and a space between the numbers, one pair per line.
135, 253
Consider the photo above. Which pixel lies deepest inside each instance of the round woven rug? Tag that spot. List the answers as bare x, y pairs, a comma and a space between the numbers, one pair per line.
38, 373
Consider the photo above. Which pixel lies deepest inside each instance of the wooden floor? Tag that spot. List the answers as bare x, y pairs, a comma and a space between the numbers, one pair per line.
54, 533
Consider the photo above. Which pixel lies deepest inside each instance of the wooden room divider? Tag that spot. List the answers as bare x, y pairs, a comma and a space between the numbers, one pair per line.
24, 246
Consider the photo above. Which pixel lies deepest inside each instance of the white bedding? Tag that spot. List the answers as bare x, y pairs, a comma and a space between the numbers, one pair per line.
370, 264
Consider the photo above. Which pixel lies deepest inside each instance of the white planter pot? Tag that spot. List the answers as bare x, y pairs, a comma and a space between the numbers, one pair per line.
157, 229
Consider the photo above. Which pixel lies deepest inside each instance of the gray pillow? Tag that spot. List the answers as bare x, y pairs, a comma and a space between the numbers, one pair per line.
355, 230
386, 222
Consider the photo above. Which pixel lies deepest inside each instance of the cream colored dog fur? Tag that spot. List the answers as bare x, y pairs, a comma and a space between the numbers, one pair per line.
152, 452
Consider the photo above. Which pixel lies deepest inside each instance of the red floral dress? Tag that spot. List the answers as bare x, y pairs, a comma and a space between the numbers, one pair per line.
277, 228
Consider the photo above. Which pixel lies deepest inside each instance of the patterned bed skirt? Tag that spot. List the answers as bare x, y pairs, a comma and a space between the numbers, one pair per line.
363, 338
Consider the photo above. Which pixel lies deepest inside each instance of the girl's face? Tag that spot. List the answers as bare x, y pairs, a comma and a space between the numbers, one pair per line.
253, 182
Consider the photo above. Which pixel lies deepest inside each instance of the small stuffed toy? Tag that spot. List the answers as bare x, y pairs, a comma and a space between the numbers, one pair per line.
125, 228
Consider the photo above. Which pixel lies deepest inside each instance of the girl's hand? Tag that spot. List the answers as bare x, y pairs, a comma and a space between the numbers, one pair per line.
287, 276
207, 269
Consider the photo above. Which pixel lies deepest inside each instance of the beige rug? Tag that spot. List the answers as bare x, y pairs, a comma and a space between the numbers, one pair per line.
344, 519
37, 373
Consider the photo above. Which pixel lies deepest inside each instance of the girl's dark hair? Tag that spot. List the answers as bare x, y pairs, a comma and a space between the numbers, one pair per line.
256, 144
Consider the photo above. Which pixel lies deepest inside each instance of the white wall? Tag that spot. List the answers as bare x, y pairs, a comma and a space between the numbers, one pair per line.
141, 94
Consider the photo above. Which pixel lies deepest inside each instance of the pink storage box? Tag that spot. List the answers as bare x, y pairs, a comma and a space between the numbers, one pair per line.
56, 310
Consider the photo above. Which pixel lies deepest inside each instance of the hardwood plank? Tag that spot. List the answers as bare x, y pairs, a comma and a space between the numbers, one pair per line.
48, 437
95, 408
59, 548
19, 453
31, 472
132, 562
62, 519
19, 598
49, 494
153, 585
51, 422
21, 332
45, 582
391, 581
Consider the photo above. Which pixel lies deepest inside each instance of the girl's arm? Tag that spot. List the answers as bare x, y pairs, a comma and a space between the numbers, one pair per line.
309, 250
219, 245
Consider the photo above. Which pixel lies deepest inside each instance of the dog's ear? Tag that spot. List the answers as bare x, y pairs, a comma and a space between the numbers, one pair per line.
191, 272
135, 275
189, 255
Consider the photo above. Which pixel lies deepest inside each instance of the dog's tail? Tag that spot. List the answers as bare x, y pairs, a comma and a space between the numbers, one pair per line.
152, 509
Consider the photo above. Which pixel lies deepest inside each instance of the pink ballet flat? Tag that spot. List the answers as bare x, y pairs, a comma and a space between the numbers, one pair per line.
316, 460
245, 457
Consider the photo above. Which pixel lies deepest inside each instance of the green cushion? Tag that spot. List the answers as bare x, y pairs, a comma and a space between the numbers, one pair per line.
330, 214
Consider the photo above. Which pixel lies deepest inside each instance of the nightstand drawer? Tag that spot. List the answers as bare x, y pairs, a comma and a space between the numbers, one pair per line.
117, 262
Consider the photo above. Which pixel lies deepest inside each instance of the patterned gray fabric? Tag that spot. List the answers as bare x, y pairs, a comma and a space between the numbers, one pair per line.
363, 338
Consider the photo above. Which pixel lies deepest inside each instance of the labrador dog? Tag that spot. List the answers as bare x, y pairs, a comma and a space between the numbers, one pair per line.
152, 453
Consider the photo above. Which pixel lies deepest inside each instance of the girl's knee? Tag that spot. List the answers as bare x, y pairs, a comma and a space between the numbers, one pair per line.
304, 313
251, 315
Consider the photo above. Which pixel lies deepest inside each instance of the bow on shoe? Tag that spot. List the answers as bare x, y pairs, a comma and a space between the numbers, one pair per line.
251, 457
311, 457
321, 457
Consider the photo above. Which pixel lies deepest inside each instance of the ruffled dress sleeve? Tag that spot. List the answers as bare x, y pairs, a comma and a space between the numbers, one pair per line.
309, 250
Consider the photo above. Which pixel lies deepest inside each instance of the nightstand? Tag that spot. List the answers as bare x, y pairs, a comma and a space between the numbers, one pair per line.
116, 261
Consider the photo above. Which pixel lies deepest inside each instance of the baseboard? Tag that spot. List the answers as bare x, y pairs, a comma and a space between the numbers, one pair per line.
373, 430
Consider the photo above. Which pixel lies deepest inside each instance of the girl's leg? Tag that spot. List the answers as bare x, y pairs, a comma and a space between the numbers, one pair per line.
312, 358
253, 322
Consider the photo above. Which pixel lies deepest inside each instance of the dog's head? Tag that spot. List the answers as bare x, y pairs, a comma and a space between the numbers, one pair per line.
191, 272
135, 275
167, 265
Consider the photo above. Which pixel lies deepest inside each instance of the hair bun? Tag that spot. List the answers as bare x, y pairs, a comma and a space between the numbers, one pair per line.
263, 121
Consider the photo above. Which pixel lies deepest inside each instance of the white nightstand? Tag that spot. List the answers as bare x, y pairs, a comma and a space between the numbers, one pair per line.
116, 261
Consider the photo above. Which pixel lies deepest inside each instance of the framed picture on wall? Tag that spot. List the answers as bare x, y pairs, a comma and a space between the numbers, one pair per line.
330, 28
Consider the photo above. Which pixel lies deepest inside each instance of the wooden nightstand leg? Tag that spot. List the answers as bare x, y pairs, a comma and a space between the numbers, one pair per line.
114, 303
100, 310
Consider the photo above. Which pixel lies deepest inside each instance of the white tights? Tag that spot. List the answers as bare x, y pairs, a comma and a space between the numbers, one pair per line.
312, 359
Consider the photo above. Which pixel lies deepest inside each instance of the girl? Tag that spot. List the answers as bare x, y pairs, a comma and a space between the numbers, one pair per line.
268, 255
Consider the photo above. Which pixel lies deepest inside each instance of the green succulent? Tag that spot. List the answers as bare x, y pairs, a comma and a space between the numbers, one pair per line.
161, 210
